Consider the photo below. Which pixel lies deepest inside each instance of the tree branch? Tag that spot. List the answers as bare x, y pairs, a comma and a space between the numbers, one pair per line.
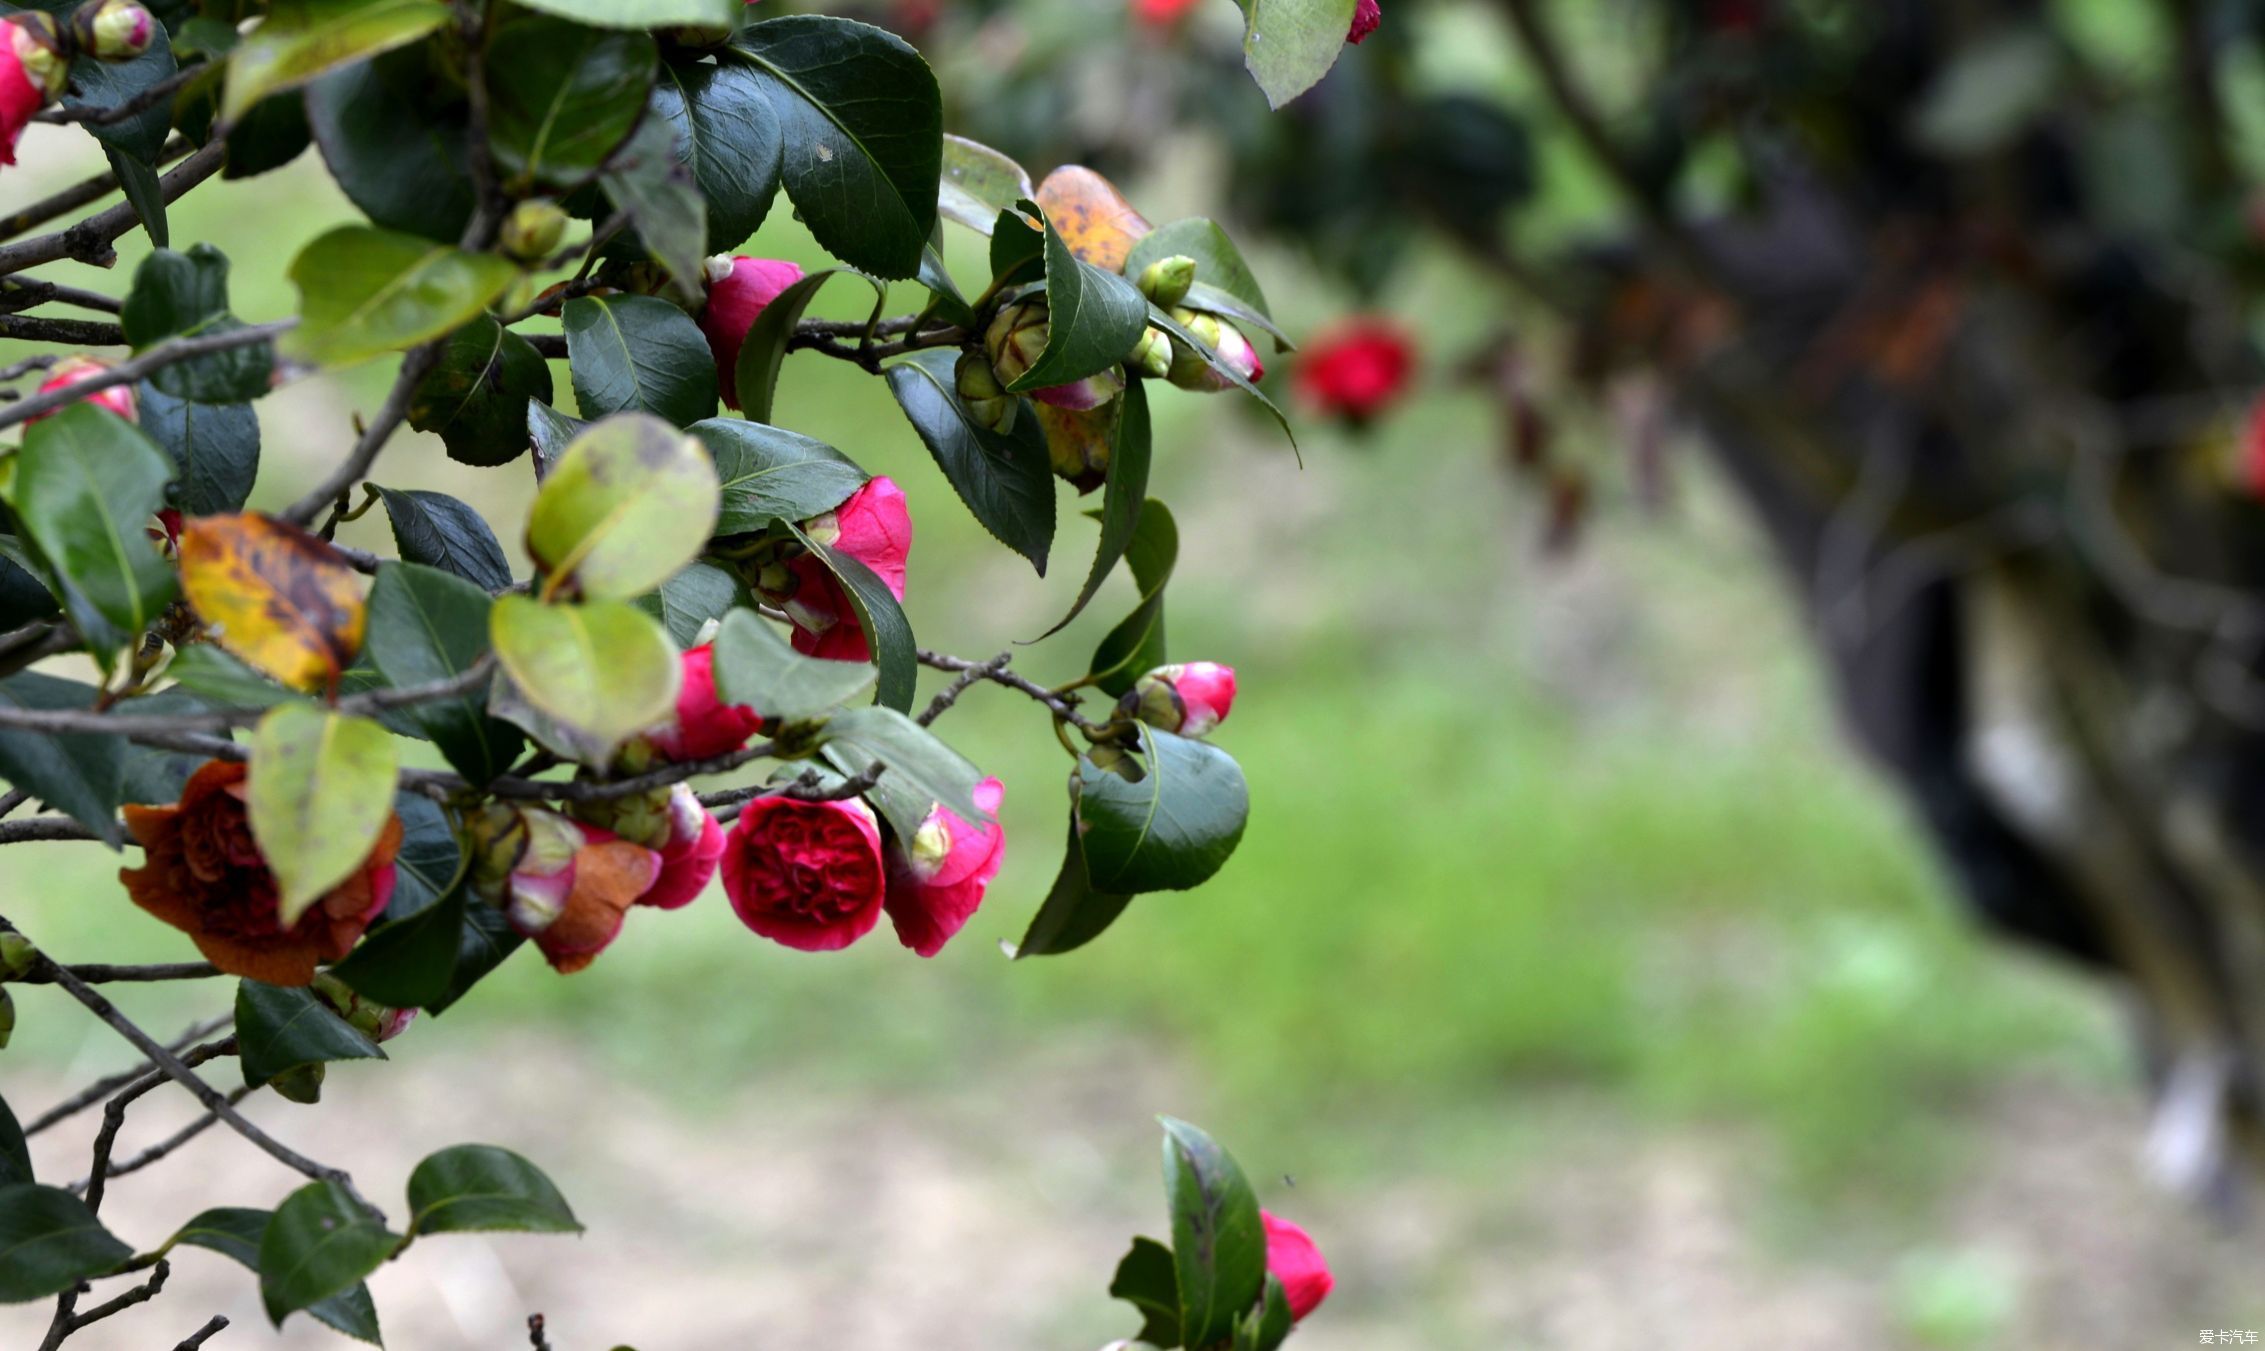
104, 1087
170, 352
196, 1340
80, 194
90, 240
390, 415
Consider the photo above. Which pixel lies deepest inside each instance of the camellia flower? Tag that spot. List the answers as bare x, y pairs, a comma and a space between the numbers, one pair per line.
806, 874
1292, 1259
875, 528
1357, 371
1188, 698
689, 855
203, 874
705, 727
738, 289
1162, 13
1366, 16
69, 371
564, 884
32, 74
937, 878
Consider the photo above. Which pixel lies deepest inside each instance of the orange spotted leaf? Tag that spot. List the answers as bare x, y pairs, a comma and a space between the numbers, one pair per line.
276, 596
1094, 219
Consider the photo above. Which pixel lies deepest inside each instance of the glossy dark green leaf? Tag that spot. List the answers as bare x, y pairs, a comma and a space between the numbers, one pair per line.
475, 397
82, 776
1288, 45
487, 939
686, 602
271, 135
630, 353
978, 183
427, 625
430, 857
49, 1242
468, 1188
318, 1245
282, 1027
215, 449
562, 96
186, 295
86, 485
646, 181
1218, 1243
1267, 1326
863, 126
1121, 499
441, 532
1147, 1279
409, 963
1136, 645
1171, 828
1094, 320
235, 1232
756, 665
138, 182
1018, 246
15, 1154
1218, 262
366, 292
920, 772
1074, 913
1004, 478
771, 474
887, 632
755, 375
393, 136
727, 135
299, 40
98, 86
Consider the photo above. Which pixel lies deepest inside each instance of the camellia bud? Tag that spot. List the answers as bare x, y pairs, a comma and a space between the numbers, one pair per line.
1166, 281
7, 1018
378, 1022
69, 371
1017, 337
1190, 368
113, 30
1187, 698
17, 956
300, 1083
533, 230
986, 400
1153, 357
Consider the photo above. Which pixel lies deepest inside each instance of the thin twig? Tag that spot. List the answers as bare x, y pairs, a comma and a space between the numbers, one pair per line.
81, 194
21, 293
97, 973
167, 353
966, 680
90, 240
68, 332
66, 1322
102, 1088
212, 1328
356, 466
1063, 706
163, 1147
142, 102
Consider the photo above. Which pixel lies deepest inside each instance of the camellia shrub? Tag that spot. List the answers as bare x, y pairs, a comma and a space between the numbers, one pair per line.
708, 672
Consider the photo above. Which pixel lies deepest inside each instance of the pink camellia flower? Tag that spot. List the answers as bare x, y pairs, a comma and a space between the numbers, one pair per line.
875, 528
1188, 698
69, 371
570, 886
1161, 13
1292, 1259
1366, 16
738, 289
705, 727
806, 874
1357, 371
32, 72
688, 857
937, 878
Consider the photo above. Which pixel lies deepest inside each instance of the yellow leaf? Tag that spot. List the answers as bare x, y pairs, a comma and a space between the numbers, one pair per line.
1094, 219
276, 596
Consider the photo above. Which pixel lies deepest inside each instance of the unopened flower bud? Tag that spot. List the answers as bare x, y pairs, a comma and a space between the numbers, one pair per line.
1166, 281
1153, 356
378, 1022
300, 1083
17, 956
7, 1018
1015, 340
113, 30
533, 230
71, 370
1187, 698
985, 399
1192, 370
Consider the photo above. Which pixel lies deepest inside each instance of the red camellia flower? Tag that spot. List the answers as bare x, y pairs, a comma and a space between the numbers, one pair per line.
806, 874
203, 874
937, 878
31, 76
1162, 13
69, 371
571, 886
689, 855
2252, 465
738, 289
1366, 16
705, 726
1358, 370
875, 528
1294, 1260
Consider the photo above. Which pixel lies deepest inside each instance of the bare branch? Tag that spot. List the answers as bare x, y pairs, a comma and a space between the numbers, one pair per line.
68, 332
90, 240
96, 973
163, 1147
1063, 706
212, 1328
80, 194
167, 353
104, 1087
21, 293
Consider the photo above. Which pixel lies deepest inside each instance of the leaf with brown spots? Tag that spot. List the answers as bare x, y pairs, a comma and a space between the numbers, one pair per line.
1093, 218
276, 596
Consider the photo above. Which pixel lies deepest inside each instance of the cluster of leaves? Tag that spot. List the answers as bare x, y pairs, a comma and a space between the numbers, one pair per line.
1209, 1287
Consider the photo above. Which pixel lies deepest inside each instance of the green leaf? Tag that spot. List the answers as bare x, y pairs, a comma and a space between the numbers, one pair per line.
487, 939
1218, 1243
15, 1154
978, 183
644, 13
1994, 89
647, 182
1218, 262
920, 771
863, 125
409, 963
887, 632
727, 135
224, 681
1018, 246
49, 1242
552, 432
1147, 1279
1267, 1326
1074, 913
138, 182
605, 669
632, 353
1169, 829
430, 858
481, 1187
755, 375
319, 1244
272, 134
78, 774
215, 449
771, 474
630, 502
280, 1028
562, 96
475, 397
1094, 319
1004, 478
686, 602
1136, 645
1234, 377
86, 485
235, 1232
442, 532
427, 625
186, 295
98, 86
394, 141
365, 292
755, 665
1290, 44
320, 792
1121, 500
300, 39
